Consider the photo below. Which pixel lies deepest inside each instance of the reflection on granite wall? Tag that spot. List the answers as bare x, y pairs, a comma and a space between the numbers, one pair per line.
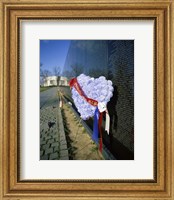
115, 60
87, 56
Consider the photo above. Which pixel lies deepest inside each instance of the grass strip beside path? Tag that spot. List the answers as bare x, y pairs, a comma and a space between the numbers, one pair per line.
42, 89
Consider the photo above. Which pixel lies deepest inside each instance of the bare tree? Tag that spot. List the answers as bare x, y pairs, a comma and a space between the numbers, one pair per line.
57, 73
41, 70
77, 69
68, 74
44, 74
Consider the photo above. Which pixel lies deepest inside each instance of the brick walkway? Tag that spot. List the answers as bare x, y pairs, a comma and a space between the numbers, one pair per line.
53, 145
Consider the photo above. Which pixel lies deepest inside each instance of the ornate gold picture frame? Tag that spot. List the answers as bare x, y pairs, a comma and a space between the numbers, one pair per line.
161, 187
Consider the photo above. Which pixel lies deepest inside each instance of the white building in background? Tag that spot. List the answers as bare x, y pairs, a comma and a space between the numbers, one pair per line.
52, 81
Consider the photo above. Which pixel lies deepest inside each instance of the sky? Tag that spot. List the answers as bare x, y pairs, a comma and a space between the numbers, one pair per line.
53, 53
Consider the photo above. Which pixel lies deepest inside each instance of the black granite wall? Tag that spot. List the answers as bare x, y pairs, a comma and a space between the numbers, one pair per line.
121, 72
115, 60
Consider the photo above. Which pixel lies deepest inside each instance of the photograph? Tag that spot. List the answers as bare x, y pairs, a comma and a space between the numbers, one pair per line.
86, 99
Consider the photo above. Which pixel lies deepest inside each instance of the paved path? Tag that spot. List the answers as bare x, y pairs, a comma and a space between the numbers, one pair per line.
48, 97
53, 144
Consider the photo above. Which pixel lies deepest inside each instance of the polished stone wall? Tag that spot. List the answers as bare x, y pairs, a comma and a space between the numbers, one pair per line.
121, 72
115, 60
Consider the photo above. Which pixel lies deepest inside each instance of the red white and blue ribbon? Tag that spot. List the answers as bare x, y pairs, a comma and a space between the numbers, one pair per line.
98, 115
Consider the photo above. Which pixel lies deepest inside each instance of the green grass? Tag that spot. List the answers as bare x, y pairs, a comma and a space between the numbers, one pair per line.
43, 89
46, 88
